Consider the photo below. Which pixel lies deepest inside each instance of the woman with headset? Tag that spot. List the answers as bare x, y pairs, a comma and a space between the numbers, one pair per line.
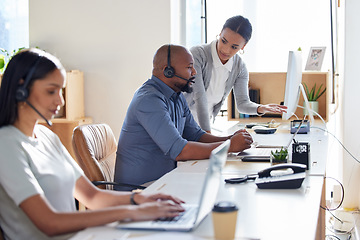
219, 69
38, 178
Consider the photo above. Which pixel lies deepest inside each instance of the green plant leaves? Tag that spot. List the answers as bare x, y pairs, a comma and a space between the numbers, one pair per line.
2, 62
6, 56
314, 93
280, 154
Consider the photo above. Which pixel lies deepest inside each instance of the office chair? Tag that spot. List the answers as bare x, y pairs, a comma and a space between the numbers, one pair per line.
95, 148
2, 237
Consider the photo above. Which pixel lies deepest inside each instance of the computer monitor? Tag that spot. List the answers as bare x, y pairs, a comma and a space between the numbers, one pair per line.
293, 86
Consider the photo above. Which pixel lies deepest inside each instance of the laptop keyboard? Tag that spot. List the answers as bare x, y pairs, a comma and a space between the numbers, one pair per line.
183, 217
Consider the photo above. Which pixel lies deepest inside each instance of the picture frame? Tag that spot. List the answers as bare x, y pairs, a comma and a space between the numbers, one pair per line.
315, 59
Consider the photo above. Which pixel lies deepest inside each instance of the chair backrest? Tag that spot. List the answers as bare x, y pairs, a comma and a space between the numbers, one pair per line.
1, 234
95, 150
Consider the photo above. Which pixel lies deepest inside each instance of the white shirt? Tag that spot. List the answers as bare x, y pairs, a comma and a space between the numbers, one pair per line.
220, 74
31, 166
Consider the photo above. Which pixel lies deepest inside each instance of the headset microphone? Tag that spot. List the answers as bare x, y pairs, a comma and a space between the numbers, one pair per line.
37, 111
188, 80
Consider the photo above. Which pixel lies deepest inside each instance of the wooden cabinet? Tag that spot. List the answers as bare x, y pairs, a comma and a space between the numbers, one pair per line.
271, 86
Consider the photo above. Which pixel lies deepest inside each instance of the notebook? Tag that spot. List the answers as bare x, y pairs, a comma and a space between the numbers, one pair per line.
194, 214
262, 153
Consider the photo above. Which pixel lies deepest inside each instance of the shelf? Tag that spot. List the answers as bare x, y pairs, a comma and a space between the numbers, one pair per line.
272, 88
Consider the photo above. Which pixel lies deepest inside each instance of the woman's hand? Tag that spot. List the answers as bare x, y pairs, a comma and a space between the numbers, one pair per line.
155, 210
273, 108
143, 198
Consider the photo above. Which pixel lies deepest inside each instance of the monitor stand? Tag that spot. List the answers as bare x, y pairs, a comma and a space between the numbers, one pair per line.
307, 105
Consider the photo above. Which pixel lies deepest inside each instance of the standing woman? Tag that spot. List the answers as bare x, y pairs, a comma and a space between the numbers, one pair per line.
219, 69
38, 178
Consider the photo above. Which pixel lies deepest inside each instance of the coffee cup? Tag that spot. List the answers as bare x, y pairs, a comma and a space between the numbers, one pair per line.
224, 216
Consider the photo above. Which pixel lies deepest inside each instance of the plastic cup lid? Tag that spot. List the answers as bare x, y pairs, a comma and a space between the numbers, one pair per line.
225, 206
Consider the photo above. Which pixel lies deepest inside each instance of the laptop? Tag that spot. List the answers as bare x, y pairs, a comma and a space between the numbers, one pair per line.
262, 153
194, 213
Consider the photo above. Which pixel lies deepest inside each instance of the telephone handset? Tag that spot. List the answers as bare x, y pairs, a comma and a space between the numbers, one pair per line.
281, 176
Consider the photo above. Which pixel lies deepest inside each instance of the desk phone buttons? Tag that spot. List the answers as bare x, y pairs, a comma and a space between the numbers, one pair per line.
291, 181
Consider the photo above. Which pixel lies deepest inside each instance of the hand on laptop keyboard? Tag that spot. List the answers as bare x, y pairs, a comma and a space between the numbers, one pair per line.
155, 210
185, 216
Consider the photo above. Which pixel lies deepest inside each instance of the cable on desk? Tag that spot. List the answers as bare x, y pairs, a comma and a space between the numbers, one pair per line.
325, 130
317, 114
331, 237
342, 187
341, 201
329, 210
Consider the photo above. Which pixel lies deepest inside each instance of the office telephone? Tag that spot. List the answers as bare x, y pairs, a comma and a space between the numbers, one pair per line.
281, 176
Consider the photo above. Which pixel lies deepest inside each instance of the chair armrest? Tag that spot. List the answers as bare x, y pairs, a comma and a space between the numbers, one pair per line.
96, 183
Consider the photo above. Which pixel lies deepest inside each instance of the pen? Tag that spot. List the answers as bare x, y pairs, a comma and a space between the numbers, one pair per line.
194, 163
161, 187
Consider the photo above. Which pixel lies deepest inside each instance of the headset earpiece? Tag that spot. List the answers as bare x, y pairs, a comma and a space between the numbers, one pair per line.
22, 92
169, 71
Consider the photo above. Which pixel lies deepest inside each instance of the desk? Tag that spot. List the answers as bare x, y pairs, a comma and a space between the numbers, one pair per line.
264, 214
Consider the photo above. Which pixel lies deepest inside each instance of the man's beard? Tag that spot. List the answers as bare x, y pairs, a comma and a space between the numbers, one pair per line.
187, 88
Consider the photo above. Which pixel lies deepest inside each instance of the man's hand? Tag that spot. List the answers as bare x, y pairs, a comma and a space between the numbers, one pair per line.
240, 141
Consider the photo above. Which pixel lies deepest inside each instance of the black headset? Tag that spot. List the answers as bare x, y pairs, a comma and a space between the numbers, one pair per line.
169, 71
22, 92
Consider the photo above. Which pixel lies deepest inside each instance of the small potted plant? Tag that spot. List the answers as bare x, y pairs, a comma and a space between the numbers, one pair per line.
2, 63
279, 156
5, 57
313, 96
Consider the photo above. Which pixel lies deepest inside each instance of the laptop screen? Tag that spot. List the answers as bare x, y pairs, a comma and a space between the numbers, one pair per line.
212, 180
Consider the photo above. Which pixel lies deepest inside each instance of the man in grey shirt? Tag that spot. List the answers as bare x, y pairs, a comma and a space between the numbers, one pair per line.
159, 129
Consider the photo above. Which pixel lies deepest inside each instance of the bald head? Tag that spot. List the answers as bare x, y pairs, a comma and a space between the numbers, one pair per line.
160, 61
180, 77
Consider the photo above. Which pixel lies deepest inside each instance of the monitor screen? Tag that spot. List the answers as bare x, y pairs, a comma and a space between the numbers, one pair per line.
293, 81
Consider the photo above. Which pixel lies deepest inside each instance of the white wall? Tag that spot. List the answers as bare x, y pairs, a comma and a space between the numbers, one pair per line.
351, 100
111, 41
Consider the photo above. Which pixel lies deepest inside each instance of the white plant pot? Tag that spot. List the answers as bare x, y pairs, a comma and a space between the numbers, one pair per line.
314, 105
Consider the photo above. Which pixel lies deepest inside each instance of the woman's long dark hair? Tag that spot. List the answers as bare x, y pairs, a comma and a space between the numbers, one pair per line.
240, 25
17, 69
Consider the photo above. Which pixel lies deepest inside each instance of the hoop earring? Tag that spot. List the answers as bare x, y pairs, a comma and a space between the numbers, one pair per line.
241, 51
